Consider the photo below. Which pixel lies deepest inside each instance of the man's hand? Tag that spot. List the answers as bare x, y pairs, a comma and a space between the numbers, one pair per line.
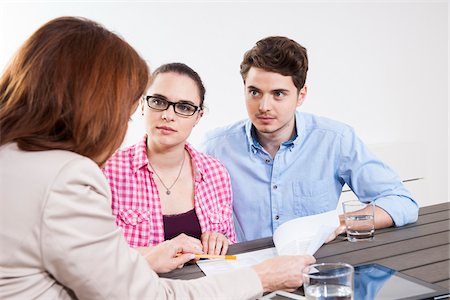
171, 254
381, 220
340, 229
214, 243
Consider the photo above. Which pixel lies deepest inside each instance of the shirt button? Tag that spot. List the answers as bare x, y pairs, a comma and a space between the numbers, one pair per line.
275, 187
267, 161
277, 217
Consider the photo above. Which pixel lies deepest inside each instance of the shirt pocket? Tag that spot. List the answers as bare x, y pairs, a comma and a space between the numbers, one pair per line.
134, 217
135, 225
215, 221
311, 197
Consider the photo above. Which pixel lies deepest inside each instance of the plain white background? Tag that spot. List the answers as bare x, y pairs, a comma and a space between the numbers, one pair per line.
380, 66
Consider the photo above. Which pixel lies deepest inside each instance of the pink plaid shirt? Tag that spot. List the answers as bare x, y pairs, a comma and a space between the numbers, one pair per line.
136, 203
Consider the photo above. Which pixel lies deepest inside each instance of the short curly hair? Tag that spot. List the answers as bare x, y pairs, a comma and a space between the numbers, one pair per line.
280, 55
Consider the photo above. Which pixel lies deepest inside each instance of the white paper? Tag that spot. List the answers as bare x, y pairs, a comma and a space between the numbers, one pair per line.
304, 235
248, 259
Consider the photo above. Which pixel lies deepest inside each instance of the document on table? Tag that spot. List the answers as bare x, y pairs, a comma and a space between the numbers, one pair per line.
304, 235
248, 259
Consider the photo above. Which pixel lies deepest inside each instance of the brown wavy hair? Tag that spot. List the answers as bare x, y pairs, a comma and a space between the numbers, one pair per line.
72, 86
280, 55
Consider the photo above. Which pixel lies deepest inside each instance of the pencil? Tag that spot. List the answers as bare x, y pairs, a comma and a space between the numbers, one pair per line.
230, 257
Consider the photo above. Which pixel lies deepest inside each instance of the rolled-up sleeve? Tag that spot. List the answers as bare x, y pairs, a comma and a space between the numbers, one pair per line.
372, 180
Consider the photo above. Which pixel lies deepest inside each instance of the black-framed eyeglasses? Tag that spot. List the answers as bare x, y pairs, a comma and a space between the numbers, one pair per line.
181, 108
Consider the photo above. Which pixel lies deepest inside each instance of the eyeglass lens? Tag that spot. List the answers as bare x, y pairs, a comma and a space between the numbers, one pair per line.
181, 108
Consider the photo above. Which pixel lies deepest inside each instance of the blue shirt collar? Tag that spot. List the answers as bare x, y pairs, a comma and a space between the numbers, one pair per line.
253, 140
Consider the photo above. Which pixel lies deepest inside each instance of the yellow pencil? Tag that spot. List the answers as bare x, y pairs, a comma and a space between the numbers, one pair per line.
231, 257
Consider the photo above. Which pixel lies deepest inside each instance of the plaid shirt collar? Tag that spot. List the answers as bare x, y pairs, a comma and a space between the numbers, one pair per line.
139, 159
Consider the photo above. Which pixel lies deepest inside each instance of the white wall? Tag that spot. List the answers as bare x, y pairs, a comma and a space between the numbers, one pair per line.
381, 66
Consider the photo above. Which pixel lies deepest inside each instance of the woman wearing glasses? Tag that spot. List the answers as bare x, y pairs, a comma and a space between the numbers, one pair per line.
162, 186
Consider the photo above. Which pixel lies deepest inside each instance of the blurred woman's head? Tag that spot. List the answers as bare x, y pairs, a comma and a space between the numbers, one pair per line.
73, 86
174, 104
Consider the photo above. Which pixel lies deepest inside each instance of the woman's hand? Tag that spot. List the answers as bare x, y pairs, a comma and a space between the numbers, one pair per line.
214, 243
171, 254
282, 272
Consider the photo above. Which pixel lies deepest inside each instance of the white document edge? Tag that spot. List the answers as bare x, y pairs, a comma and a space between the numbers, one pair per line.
307, 233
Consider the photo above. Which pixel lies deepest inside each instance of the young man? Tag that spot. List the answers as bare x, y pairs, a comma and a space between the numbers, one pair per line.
284, 163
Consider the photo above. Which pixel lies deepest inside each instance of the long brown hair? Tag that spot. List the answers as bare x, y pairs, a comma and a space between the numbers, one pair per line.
73, 86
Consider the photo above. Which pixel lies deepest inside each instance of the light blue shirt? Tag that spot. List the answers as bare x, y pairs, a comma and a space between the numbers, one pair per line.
305, 177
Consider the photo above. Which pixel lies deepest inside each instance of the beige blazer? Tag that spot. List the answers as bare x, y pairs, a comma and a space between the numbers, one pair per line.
58, 238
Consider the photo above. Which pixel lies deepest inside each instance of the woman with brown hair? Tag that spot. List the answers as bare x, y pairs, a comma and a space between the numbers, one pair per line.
162, 186
65, 101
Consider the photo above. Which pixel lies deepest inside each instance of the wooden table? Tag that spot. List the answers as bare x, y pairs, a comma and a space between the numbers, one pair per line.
420, 250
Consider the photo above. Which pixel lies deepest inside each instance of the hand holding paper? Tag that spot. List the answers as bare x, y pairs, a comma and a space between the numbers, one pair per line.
305, 235
300, 236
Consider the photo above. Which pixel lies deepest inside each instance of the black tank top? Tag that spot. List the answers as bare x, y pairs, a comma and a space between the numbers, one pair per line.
186, 223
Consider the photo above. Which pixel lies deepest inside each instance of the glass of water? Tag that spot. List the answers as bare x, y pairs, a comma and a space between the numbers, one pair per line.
359, 220
331, 281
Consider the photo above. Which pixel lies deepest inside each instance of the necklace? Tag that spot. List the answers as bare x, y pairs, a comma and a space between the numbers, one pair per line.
176, 179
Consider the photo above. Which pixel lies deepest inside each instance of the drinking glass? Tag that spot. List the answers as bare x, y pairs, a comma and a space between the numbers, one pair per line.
330, 281
359, 220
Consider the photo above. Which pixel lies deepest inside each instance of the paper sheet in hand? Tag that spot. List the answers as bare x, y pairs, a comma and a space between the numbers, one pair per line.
299, 236
305, 235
